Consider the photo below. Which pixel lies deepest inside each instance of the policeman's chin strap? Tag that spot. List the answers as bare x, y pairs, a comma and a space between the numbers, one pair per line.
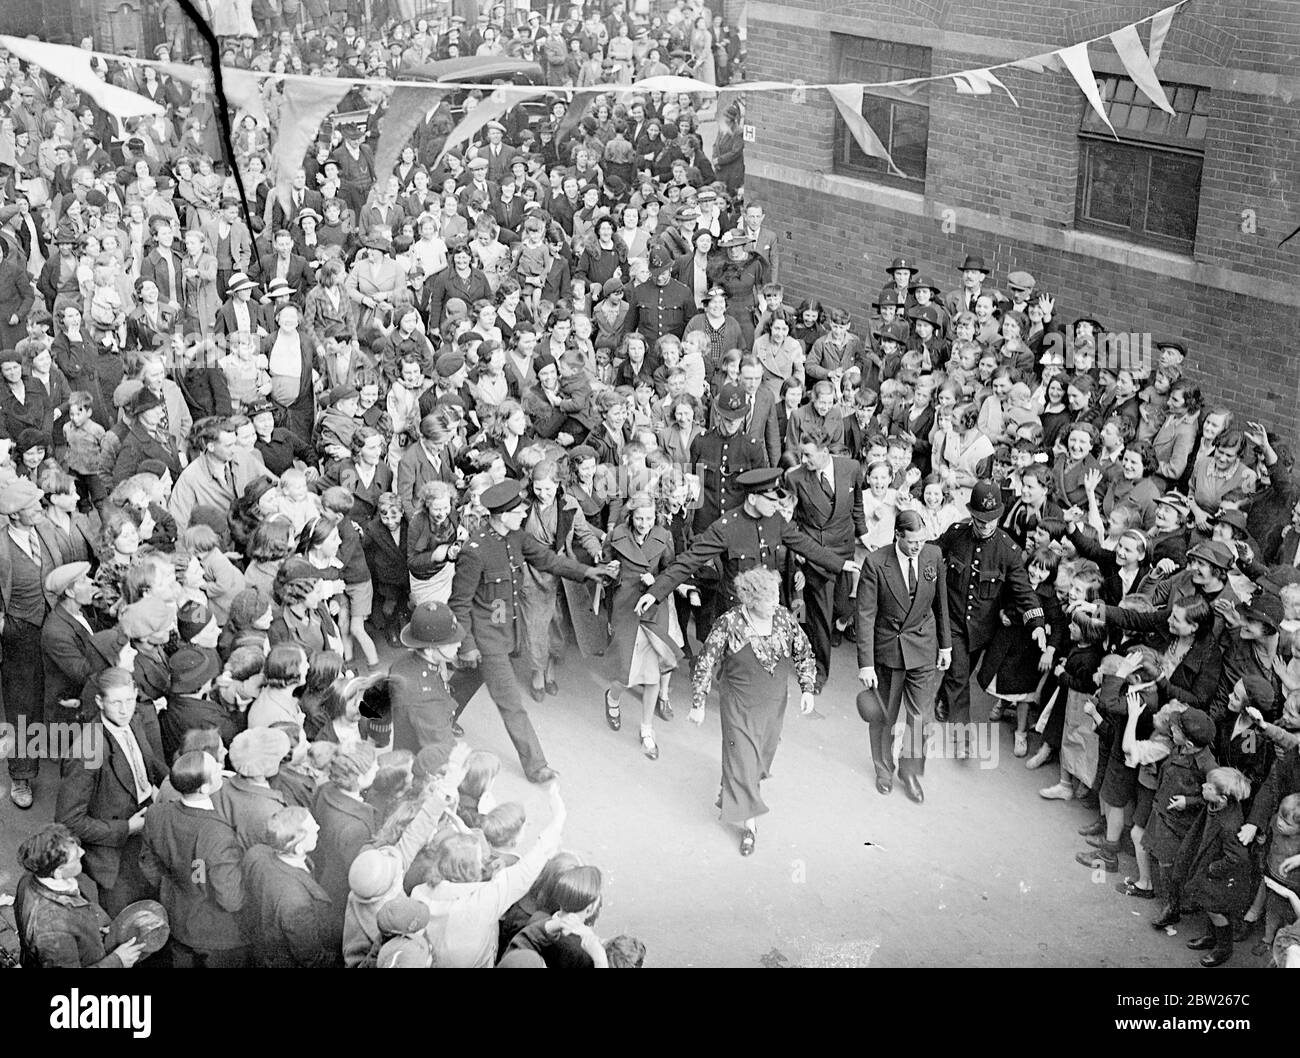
222, 108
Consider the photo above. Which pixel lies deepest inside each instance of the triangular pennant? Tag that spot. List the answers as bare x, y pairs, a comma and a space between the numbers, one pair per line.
848, 98
969, 86
1160, 23
406, 109
303, 107
1045, 63
989, 78
244, 89
72, 66
1128, 45
1077, 62
489, 109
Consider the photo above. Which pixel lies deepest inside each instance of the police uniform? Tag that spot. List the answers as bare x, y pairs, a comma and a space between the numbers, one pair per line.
719, 461
485, 597
655, 310
984, 577
741, 541
423, 708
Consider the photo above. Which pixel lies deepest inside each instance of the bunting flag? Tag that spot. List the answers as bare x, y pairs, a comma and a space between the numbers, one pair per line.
1160, 23
849, 100
304, 107
1046, 63
1128, 45
244, 89
969, 85
489, 109
987, 78
1080, 66
406, 108
72, 66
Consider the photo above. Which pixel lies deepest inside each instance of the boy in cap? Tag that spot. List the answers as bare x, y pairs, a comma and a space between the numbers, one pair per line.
248, 800
402, 923
191, 703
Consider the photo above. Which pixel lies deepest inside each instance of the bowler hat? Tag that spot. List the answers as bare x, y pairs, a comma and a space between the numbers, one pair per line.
973, 263
191, 668
145, 921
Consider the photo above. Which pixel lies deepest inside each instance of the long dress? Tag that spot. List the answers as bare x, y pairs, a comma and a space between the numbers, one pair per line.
753, 689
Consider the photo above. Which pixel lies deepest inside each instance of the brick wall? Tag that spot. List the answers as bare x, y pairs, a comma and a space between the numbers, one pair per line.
1013, 173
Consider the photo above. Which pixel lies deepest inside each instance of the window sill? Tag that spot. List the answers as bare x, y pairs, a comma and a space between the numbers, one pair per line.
1174, 263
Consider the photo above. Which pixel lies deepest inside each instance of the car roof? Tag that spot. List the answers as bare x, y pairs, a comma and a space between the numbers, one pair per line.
474, 68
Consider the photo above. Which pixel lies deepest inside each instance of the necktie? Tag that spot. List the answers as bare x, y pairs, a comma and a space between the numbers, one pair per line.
911, 576
827, 487
749, 413
34, 545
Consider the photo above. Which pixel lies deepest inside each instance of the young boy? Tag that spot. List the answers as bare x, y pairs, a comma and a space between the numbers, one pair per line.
335, 428
80, 449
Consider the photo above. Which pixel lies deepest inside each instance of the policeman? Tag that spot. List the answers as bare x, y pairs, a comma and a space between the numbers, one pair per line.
743, 539
485, 600
986, 574
423, 708
661, 305
722, 456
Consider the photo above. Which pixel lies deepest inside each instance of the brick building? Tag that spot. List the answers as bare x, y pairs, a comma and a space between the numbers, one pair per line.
1174, 229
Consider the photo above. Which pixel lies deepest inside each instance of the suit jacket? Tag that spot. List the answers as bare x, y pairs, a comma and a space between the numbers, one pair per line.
282, 219
498, 168
414, 469
909, 631
55, 557
760, 424
258, 316
299, 275
95, 802
144, 334
241, 243
837, 523
65, 653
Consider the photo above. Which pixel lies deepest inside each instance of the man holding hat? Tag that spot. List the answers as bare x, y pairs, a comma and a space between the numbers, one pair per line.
485, 599
742, 539
423, 708
986, 574
29, 553
66, 636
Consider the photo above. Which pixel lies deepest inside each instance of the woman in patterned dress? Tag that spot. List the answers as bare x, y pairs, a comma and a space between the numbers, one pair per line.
756, 645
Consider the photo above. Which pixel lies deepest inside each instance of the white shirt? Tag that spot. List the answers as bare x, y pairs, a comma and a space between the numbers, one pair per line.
126, 742
243, 318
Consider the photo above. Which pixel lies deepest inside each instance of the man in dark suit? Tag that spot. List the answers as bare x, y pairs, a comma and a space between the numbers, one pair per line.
760, 410
29, 552
103, 800
66, 636
828, 507
163, 265
300, 197
499, 154
904, 640
283, 263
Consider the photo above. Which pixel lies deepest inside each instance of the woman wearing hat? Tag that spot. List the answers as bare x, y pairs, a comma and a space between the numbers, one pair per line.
145, 439
302, 616
741, 276
330, 309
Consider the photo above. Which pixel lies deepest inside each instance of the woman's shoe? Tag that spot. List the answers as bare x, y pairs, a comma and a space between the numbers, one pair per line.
747, 841
1022, 744
995, 712
1041, 756
538, 693
1062, 791
552, 688
664, 707
1129, 887
649, 747
613, 714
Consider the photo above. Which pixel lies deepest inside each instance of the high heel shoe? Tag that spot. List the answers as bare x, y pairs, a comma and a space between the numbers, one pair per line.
747, 841
613, 714
664, 707
649, 747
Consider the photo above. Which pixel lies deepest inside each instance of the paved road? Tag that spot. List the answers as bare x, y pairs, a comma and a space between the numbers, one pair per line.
982, 875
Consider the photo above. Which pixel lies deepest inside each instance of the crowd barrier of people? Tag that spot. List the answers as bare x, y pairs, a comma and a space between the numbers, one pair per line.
544, 397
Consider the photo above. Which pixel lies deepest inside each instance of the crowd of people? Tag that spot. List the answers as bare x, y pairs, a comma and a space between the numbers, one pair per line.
545, 397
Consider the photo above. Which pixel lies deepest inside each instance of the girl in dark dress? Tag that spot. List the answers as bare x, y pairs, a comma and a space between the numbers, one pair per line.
643, 649
755, 647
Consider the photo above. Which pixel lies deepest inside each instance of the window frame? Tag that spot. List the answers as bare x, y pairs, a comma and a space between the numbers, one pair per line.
1142, 146
897, 61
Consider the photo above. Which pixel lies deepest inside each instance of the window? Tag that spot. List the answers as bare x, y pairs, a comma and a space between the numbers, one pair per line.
901, 118
1145, 186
